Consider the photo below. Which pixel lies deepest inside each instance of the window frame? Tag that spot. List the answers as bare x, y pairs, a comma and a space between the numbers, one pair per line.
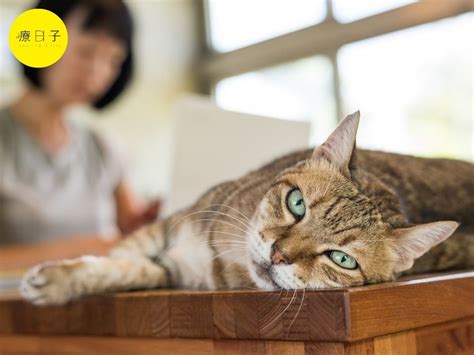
325, 38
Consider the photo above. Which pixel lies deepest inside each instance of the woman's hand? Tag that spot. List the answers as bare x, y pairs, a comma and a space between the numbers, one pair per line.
132, 213
148, 214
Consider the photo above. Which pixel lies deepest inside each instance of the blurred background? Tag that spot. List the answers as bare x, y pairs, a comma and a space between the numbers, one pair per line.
407, 65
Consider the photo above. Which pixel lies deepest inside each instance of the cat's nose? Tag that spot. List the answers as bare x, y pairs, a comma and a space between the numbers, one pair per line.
278, 256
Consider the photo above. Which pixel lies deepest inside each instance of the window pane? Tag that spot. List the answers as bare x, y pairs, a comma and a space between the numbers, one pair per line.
350, 10
300, 90
238, 23
9, 66
414, 89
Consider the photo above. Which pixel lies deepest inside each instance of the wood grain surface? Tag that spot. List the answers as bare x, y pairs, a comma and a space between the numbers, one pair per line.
347, 315
452, 338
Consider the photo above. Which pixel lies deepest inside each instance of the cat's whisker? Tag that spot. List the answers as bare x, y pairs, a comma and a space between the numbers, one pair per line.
232, 208
229, 264
205, 232
241, 237
270, 295
242, 240
241, 221
183, 218
245, 223
218, 220
293, 298
281, 313
227, 242
225, 245
228, 251
205, 210
297, 313
233, 248
241, 274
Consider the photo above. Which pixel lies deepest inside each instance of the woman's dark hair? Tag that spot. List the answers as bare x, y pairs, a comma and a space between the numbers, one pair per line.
112, 16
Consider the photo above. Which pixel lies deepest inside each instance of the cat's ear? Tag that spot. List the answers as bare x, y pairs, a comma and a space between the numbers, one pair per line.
413, 242
339, 148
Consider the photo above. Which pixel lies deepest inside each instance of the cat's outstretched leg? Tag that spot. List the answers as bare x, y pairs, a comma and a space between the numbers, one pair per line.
58, 282
148, 241
128, 266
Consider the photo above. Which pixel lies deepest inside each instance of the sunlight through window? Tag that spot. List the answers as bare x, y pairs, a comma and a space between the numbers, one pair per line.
239, 23
301, 90
414, 88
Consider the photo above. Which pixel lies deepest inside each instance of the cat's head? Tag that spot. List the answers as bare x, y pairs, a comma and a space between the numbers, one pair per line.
315, 229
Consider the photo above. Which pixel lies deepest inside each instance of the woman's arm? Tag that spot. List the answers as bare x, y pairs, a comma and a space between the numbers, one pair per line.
131, 211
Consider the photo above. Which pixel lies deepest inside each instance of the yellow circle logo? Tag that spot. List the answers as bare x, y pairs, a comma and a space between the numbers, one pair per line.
38, 38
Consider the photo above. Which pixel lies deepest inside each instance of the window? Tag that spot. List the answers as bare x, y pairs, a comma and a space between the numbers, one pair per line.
301, 90
349, 10
9, 67
7, 61
239, 23
416, 86
409, 70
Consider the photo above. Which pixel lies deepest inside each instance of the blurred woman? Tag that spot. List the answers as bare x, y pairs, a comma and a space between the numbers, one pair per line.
57, 177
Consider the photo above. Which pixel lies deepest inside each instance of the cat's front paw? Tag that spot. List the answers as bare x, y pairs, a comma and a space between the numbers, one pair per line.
47, 284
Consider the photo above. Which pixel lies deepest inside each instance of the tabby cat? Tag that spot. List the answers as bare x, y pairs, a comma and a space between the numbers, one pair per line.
332, 217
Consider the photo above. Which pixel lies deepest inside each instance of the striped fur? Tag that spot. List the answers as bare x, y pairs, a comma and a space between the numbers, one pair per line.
378, 207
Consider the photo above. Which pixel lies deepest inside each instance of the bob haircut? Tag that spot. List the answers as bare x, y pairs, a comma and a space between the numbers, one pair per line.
111, 16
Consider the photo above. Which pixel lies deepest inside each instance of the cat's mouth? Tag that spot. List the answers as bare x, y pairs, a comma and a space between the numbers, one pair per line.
264, 273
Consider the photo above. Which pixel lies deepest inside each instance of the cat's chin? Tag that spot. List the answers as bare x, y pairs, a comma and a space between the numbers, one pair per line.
262, 277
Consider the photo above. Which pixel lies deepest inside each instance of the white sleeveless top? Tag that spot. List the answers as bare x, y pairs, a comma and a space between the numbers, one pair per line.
45, 197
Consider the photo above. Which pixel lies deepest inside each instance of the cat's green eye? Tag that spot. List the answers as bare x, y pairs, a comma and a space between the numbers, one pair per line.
296, 204
342, 259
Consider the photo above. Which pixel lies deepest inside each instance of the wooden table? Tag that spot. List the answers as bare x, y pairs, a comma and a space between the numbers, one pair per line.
425, 315
431, 315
